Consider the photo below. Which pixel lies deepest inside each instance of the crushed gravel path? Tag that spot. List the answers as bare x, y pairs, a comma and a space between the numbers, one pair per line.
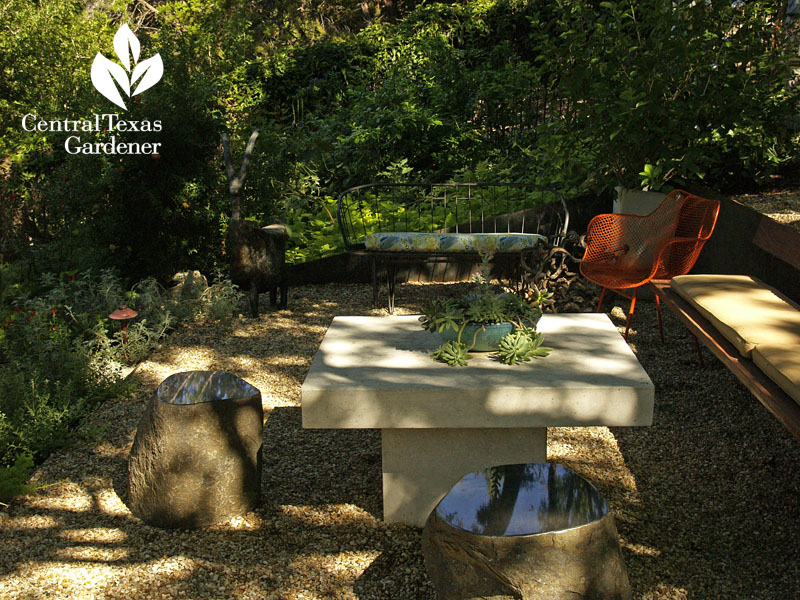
781, 203
706, 500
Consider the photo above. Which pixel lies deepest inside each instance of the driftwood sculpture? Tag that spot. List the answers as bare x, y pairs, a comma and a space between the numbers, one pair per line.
256, 255
554, 269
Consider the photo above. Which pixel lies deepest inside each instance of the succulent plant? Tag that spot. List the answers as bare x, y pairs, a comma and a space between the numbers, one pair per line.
520, 346
441, 314
454, 354
484, 306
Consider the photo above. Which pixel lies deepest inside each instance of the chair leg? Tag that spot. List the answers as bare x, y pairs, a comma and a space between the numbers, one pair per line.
630, 313
600, 302
658, 312
697, 347
374, 282
391, 274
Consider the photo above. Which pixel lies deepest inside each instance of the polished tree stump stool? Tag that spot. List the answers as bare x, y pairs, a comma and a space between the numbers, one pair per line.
196, 457
528, 531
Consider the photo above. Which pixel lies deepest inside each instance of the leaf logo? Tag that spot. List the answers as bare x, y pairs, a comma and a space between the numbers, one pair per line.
105, 73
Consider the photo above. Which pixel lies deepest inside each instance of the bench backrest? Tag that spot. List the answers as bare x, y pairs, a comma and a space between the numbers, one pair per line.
451, 208
779, 240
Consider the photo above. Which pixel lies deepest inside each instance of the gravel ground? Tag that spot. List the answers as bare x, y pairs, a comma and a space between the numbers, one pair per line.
781, 203
706, 500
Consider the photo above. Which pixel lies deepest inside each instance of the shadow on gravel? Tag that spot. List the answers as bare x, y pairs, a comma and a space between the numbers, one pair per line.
717, 477
399, 572
307, 466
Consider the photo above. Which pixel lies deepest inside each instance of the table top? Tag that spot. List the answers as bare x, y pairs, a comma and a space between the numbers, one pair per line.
377, 372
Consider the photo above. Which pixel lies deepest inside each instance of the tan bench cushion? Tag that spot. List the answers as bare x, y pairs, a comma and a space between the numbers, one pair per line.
782, 365
743, 309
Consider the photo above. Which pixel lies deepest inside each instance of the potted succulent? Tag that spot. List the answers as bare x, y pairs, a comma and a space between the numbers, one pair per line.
484, 320
645, 200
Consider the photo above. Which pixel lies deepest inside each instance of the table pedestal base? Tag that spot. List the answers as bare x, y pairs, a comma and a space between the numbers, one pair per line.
421, 465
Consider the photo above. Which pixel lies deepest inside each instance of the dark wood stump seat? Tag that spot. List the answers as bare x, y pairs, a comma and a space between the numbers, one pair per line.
196, 457
526, 531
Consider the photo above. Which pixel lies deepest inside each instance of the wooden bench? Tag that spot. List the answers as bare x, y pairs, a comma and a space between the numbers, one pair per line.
784, 244
407, 223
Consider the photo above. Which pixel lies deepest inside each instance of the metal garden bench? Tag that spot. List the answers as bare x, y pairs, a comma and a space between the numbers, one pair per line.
407, 223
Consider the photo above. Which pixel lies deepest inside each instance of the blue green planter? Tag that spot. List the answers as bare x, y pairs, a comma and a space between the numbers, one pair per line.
486, 340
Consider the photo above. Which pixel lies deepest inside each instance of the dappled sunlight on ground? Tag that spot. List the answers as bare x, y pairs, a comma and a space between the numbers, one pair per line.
704, 500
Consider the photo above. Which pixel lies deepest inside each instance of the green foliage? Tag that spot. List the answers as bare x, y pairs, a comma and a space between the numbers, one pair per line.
484, 306
13, 479
75, 211
521, 345
221, 301
662, 80
61, 355
442, 314
653, 178
453, 353
575, 95
49, 383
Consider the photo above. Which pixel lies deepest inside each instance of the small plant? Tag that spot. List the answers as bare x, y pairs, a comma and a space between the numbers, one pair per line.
521, 345
455, 354
481, 307
222, 300
13, 479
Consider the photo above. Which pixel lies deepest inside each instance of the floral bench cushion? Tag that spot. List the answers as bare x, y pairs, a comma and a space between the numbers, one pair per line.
451, 242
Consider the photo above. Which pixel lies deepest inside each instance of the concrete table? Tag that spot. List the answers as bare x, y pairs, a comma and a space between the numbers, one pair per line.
440, 422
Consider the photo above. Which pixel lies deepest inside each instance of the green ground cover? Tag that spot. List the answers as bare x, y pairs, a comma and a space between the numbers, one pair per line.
61, 355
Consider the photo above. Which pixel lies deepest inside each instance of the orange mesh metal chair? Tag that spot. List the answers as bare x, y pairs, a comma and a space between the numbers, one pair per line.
627, 251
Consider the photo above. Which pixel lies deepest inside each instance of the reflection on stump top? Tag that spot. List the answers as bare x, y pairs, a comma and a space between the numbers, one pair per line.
521, 499
194, 387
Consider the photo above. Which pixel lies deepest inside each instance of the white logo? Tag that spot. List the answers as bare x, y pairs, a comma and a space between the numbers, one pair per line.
105, 72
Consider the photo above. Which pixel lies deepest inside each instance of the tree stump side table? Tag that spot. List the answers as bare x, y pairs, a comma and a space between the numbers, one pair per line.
196, 457
524, 532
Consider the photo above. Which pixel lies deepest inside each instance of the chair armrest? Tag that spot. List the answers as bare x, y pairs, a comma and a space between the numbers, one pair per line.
676, 256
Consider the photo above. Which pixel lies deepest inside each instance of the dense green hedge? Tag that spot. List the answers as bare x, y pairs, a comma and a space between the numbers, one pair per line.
580, 95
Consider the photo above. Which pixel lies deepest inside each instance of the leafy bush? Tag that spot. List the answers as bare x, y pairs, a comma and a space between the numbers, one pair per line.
60, 354
221, 300
76, 211
13, 479
49, 383
578, 95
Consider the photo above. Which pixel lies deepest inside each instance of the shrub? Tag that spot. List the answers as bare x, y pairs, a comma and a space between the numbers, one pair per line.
49, 383
578, 95
60, 354
13, 479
